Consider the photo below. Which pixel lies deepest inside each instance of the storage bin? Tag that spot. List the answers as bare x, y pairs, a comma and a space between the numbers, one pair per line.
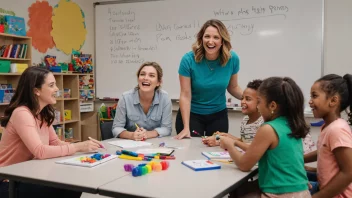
5, 66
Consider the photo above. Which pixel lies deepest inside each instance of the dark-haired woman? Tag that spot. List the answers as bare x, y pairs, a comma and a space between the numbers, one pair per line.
29, 133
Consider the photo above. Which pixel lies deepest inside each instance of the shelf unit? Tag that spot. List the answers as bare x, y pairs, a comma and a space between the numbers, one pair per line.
12, 78
68, 81
89, 120
63, 81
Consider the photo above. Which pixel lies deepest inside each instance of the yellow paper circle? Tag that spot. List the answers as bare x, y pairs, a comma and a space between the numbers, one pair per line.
69, 31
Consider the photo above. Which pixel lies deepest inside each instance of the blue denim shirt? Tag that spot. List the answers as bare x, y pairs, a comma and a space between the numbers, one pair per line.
130, 112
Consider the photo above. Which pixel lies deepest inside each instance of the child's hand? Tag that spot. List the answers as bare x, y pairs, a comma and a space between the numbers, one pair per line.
210, 141
226, 142
310, 186
310, 169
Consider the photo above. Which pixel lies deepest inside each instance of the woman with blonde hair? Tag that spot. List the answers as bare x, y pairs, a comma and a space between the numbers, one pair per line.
205, 74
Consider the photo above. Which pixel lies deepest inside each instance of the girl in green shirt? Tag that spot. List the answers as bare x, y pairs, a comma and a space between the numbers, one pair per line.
277, 145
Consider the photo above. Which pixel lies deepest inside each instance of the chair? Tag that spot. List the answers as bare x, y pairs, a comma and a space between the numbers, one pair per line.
106, 130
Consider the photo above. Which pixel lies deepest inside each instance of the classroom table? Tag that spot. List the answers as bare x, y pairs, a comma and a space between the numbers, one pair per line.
110, 178
179, 180
48, 173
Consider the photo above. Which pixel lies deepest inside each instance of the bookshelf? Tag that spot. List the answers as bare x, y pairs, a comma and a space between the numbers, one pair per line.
63, 81
89, 120
12, 78
68, 81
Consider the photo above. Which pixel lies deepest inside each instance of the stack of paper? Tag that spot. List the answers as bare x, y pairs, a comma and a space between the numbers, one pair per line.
129, 143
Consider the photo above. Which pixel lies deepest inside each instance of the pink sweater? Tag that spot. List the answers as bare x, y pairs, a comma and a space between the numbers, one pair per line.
24, 140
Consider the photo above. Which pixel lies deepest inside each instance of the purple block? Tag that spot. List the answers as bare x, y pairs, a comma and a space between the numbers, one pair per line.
128, 167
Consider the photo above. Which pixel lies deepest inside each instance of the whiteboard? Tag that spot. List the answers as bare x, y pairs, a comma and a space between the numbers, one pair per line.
271, 38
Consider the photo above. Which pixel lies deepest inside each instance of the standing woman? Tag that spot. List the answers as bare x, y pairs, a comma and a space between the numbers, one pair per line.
205, 73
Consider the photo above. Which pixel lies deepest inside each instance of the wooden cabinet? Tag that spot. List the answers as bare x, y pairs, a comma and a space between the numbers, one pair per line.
64, 81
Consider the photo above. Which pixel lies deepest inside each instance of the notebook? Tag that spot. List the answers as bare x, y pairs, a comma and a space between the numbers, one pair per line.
75, 161
201, 165
129, 143
219, 155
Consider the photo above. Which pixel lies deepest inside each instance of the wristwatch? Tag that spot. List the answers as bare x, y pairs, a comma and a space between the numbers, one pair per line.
217, 137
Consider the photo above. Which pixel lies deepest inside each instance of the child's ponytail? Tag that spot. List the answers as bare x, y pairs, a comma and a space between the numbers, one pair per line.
289, 97
348, 79
294, 107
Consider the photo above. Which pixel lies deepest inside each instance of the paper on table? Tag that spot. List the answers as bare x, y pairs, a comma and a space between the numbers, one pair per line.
129, 143
75, 161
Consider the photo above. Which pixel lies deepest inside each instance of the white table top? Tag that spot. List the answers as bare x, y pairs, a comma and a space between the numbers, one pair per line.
179, 180
111, 179
47, 172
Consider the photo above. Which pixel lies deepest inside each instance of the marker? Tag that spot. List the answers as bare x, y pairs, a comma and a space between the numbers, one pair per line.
162, 144
130, 157
195, 132
94, 140
130, 153
167, 157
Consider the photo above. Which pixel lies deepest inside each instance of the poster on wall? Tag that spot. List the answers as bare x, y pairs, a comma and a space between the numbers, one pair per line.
62, 26
69, 29
40, 26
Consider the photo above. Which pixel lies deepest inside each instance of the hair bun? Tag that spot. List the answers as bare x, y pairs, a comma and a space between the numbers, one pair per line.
348, 78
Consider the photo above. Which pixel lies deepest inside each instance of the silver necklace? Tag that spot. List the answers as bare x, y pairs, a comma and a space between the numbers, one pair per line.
211, 69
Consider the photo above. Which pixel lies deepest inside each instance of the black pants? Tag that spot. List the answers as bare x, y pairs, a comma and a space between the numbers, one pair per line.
24, 190
209, 124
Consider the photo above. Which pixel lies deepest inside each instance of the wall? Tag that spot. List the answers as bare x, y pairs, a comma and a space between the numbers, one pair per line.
20, 8
338, 31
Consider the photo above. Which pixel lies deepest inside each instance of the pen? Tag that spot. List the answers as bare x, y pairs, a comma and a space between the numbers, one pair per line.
223, 161
100, 144
204, 135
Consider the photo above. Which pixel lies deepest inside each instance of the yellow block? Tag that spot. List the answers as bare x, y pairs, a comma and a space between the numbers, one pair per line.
18, 67
68, 114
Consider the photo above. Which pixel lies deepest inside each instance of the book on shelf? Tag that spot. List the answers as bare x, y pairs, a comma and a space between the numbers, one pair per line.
13, 51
